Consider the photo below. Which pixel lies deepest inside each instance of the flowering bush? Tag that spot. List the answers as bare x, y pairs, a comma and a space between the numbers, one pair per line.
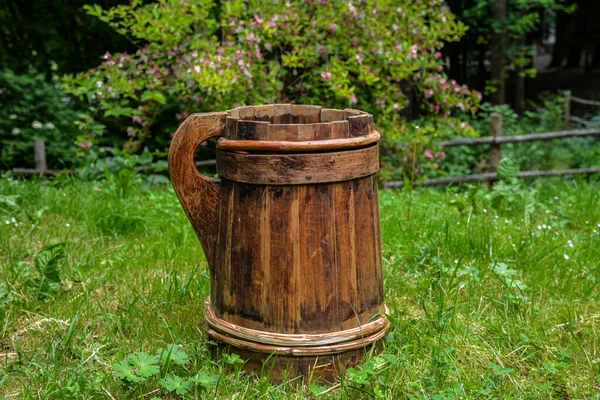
201, 55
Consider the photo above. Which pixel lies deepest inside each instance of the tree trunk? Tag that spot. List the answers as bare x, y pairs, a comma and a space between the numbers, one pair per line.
497, 47
558, 53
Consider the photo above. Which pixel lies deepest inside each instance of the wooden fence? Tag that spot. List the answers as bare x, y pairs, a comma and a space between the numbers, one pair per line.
495, 141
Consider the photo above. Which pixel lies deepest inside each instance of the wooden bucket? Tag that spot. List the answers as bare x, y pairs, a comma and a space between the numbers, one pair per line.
291, 234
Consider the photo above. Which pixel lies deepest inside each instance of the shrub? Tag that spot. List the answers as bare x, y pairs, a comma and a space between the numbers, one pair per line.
202, 55
32, 108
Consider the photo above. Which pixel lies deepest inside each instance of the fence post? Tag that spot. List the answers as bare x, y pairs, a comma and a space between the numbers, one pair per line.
495, 148
567, 106
39, 150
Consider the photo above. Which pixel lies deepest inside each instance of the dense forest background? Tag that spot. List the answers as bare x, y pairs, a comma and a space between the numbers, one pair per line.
513, 52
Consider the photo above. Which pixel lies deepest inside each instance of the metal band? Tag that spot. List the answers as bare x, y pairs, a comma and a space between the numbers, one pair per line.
298, 169
295, 344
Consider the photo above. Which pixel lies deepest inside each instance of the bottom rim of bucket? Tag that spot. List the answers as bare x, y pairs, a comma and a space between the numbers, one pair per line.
295, 344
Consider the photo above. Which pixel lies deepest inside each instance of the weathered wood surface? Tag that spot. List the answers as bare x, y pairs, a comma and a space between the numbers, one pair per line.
324, 350
532, 137
198, 194
583, 101
298, 340
296, 123
39, 151
495, 148
567, 110
295, 169
315, 248
298, 147
292, 238
492, 176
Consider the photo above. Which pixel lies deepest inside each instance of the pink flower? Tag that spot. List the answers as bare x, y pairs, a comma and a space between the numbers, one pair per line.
396, 106
326, 75
250, 37
353, 99
106, 55
428, 93
428, 154
413, 51
437, 54
441, 155
182, 115
332, 28
85, 145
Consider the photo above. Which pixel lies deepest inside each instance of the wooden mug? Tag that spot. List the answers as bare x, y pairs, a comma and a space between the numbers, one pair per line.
291, 234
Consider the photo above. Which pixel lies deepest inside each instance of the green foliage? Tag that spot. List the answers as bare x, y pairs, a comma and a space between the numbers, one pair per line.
175, 384
541, 155
141, 367
205, 379
47, 281
510, 195
32, 108
203, 56
174, 354
5, 295
466, 284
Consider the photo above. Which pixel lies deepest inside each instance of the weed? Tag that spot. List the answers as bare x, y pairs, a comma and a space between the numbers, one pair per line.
483, 304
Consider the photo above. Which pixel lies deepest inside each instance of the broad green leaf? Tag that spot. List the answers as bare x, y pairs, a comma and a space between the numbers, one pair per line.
154, 95
173, 383
47, 283
124, 371
145, 364
205, 379
173, 353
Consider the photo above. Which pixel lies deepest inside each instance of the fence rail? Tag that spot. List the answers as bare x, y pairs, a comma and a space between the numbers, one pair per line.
492, 176
496, 140
531, 137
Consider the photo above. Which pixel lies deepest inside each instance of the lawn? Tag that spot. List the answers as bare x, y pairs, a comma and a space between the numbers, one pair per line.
487, 299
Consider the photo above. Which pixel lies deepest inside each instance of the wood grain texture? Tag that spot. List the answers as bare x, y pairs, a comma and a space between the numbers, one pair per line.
291, 233
290, 340
297, 169
199, 195
314, 248
339, 143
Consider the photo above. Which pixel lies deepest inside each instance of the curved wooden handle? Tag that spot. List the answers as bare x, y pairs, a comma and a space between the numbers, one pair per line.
198, 194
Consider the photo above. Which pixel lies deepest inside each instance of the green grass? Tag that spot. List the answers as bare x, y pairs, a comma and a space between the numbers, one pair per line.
482, 304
